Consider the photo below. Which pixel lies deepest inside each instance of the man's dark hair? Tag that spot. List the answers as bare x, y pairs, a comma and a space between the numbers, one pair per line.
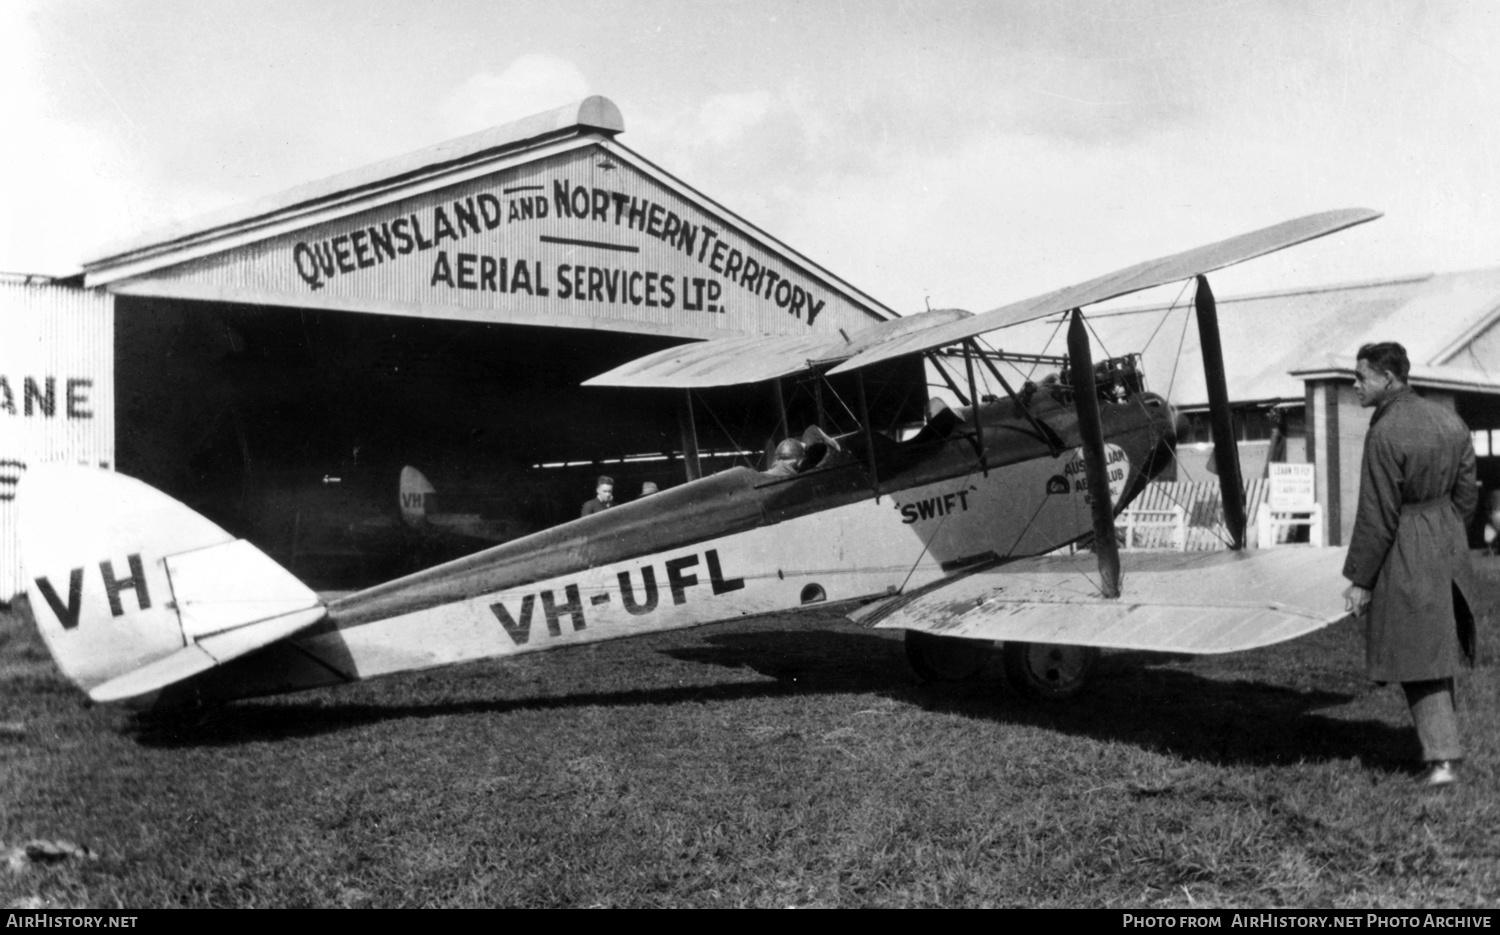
604, 479
1387, 357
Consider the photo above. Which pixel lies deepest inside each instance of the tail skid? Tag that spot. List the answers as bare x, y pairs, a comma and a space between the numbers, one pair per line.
133, 592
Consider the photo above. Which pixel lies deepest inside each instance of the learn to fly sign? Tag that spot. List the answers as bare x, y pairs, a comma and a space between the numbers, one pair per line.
579, 235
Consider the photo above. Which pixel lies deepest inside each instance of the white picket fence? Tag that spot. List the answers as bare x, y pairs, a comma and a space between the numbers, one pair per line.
1184, 517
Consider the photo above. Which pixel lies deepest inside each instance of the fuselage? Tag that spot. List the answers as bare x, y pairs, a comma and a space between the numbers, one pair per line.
876, 517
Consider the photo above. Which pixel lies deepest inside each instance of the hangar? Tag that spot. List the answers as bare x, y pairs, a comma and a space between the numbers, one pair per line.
277, 364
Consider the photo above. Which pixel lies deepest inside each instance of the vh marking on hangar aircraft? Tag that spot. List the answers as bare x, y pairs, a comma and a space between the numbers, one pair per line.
943, 534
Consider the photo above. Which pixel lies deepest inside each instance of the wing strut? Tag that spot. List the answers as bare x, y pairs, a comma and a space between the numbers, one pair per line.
947, 378
1226, 447
1086, 398
864, 414
785, 428
970, 349
1043, 430
688, 424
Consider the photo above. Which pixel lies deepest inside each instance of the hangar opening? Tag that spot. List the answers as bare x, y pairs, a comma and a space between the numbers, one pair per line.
292, 427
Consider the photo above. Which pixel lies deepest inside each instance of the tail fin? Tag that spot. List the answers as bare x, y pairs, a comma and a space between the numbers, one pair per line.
132, 591
414, 491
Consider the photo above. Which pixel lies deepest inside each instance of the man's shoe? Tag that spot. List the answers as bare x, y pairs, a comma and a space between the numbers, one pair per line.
1439, 773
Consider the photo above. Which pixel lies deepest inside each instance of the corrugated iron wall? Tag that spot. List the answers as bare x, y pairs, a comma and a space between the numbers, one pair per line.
56, 391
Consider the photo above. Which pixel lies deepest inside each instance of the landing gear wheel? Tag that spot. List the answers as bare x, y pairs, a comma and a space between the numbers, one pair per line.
1047, 671
945, 658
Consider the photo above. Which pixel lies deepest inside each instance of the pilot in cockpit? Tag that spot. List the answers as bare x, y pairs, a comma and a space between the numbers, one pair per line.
788, 457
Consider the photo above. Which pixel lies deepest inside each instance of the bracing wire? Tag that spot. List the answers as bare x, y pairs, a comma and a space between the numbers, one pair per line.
730, 436
1050, 339
1165, 315
1177, 358
1090, 325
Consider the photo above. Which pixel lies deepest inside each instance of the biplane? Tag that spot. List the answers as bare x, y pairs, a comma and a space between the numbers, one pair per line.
949, 530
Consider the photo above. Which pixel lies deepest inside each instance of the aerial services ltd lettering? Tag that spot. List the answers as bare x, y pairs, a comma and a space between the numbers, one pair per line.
637, 602
320, 261
484, 273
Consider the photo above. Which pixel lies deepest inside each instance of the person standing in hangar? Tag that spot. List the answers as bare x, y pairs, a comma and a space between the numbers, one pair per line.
1408, 556
604, 496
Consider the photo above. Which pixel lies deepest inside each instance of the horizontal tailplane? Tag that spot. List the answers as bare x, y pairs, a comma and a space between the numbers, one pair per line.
133, 592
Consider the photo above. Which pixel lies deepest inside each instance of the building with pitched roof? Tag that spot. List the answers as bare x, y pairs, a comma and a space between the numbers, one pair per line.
1289, 360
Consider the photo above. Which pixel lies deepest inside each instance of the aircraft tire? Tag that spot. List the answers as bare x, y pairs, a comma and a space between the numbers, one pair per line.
1047, 671
946, 658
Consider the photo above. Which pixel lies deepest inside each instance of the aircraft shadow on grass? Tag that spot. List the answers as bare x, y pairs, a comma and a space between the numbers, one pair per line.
1136, 700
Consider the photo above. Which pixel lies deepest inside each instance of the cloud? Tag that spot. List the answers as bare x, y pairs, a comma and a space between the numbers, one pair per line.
1375, 112
531, 84
725, 118
69, 186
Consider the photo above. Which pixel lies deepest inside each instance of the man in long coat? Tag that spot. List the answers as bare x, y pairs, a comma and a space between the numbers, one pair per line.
1408, 556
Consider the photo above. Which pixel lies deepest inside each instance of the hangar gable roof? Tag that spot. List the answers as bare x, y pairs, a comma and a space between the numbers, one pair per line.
548, 221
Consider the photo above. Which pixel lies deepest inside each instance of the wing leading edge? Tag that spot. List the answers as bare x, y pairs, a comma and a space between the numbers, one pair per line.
1158, 272
1200, 603
740, 360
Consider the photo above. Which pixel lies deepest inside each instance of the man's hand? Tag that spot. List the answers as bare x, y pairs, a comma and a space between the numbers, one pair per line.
1356, 600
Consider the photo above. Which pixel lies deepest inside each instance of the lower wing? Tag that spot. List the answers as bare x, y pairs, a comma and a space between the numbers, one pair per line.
1199, 602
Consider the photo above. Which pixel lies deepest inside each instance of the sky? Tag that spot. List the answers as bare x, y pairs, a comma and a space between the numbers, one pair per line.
930, 153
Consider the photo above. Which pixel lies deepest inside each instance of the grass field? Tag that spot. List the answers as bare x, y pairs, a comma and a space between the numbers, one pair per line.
785, 761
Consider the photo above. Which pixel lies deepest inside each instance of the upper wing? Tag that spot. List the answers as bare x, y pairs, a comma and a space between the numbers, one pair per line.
1199, 602
1174, 268
734, 361
721, 362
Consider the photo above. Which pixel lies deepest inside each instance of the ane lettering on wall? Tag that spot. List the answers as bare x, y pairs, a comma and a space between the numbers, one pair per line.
37, 397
